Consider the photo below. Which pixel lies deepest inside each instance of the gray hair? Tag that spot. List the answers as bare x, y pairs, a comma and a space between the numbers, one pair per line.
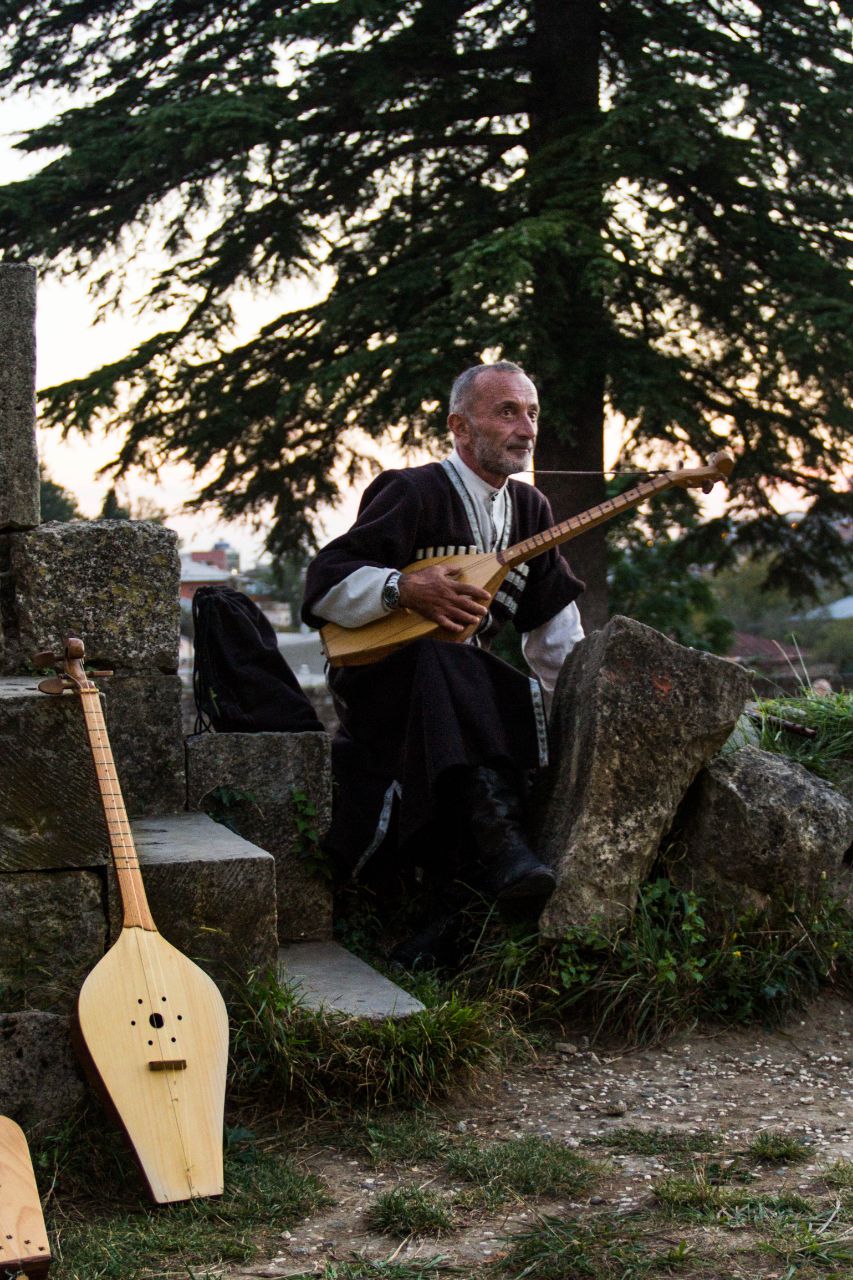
462, 391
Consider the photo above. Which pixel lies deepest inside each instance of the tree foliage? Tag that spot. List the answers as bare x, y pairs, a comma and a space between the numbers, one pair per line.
640, 200
57, 503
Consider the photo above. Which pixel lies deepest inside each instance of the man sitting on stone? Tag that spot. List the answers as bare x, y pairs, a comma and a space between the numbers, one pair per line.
436, 741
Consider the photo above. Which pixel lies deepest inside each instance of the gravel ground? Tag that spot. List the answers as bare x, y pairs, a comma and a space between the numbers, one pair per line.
736, 1083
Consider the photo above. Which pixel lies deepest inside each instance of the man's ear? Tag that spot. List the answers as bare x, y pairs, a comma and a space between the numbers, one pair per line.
457, 426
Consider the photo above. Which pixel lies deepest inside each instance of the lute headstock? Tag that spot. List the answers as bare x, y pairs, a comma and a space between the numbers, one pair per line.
70, 673
719, 467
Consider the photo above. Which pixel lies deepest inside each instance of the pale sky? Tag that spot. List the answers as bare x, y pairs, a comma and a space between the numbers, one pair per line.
71, 343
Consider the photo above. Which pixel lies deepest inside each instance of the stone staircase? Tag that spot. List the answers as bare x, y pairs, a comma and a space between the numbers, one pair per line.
219, 820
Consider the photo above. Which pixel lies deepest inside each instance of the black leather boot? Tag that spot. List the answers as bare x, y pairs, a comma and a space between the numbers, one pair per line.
511, 870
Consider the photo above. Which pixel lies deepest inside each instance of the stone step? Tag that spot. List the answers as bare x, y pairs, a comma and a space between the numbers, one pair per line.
276, 790
211, 893
327, 976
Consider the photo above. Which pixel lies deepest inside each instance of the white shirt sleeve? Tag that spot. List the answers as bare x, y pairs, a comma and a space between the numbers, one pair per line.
546, 648
357, 599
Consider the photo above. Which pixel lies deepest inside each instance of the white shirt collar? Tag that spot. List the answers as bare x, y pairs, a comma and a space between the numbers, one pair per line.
475, 484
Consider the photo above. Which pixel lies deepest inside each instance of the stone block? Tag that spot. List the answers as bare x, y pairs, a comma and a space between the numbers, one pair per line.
211, 893
143, 714
50, 808
113, 583
756, 825
54, 936
324, 975
19, 472
265, 785
41, 1085
635, 716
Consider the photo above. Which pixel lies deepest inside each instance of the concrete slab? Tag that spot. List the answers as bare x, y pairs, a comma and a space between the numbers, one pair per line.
327, 976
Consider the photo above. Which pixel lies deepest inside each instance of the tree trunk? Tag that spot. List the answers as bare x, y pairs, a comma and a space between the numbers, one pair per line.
568, 351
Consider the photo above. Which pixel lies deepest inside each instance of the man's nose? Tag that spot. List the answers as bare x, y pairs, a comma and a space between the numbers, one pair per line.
527, 428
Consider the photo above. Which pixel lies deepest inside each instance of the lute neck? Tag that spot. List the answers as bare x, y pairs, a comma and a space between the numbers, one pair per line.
575, 525
134, 902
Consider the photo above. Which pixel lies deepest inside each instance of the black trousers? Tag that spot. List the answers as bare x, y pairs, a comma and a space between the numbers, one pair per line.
407, 723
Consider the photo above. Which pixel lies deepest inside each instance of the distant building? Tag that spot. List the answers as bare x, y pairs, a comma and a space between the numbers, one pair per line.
197, 573
221, 556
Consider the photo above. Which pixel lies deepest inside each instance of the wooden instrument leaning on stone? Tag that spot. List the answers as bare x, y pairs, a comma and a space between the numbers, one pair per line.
359, 646
24, 1250
153, 1025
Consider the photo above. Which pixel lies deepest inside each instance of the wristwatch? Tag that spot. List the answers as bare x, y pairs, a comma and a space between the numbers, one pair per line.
391, 591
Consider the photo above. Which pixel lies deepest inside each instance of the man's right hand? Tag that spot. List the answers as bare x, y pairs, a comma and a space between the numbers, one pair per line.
438, 593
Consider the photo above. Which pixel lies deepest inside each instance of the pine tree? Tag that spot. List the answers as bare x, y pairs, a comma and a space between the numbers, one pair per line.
640, 200
57, 503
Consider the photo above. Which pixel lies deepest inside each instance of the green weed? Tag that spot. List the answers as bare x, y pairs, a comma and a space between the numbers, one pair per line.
326, 1061
565, 1249
264, 1195
403, 1139
308, 846
839, 1174
390, 1269
409, 1211
773, 1145
829, 754
529, 1166
654, 1142
815, 1245
669, 968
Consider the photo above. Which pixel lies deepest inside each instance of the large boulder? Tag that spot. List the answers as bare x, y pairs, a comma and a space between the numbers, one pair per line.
113, 583
635, 717
755, 825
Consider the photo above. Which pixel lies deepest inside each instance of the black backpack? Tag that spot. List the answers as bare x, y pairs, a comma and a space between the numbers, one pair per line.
241, 682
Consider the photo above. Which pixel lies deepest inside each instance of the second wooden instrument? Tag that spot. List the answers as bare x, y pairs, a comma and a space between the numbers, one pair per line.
24, 1249
359, 646
154, 1025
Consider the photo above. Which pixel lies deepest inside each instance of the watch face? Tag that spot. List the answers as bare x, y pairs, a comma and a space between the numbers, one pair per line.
391, 594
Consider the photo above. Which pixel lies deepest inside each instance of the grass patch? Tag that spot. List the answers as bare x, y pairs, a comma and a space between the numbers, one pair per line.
409, 1211
669, 968
829, 754
839, 1174
813, 1245
403, 1139
529, 1166
324, 1061
561, 1249
775, 1146
264, 1195
364, 1269
657, 1142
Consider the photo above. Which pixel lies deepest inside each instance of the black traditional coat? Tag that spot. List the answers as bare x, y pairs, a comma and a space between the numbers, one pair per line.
412, 718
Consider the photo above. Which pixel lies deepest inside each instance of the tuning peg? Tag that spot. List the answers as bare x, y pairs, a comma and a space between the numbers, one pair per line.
53, 685
46, 659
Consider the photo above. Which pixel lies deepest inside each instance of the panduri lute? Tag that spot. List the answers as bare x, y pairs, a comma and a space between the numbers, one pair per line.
153, 1024
359, 646
24, 1249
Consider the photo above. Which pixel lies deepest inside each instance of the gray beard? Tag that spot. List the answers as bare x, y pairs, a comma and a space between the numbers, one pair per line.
498, 463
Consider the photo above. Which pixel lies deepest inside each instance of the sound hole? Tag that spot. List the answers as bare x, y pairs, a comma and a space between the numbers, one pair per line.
156, 1019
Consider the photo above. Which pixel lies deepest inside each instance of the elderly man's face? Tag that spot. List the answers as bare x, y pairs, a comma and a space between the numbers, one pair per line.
495, 438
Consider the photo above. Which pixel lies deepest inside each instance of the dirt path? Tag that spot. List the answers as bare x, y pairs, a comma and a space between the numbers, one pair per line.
739, 1084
